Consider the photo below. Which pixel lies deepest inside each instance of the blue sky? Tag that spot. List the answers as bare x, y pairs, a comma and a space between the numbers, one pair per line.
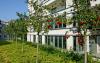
8, 8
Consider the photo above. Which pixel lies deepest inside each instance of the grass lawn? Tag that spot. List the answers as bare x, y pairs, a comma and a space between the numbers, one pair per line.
10, 52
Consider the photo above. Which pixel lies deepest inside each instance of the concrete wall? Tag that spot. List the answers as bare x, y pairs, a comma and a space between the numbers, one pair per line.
93, 2
98, 44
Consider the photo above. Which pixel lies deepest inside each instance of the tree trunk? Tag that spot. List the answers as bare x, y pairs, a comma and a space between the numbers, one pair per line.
22, 43
9, 37
16, 39
85, 47
37, 49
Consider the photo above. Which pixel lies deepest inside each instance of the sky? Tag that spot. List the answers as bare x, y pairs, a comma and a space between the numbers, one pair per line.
8, 9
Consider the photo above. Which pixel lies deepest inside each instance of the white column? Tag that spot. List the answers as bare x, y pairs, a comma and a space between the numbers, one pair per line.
54, 41
43, 39
70, 43
31, 37
57, 41
62, 42
47, 40
28, 37
98, 44
37, 39
88, 49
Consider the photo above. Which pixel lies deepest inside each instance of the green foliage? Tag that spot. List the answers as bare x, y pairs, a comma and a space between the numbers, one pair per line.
85, 14
71, 56
38, 20
18, 27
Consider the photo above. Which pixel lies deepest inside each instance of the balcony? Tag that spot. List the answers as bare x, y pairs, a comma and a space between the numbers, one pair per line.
55, 10
53, 3
46, 2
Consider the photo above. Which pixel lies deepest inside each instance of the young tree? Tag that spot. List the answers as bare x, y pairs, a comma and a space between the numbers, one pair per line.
9, 30
38, 20
21, 25
84, 17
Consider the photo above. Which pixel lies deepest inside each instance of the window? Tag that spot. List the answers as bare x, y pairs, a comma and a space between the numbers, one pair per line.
0, 30
56, 40
93, 0
60, 41
51, 40
0, 22
64, 42
64, 25
56, 26
34, 38
46, 41
40, 39
60, 26
74, 43
0, 36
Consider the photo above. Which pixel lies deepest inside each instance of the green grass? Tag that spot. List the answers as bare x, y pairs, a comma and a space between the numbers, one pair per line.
10, 52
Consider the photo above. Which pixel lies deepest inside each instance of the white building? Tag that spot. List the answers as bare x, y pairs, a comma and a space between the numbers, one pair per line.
2, 35
55, 36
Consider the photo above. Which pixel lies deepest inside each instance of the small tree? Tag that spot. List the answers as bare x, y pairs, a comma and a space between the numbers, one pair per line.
84, 17
38, 20
9, 30
21, 24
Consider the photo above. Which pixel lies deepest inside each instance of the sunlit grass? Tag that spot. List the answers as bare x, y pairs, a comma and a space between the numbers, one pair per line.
11, 52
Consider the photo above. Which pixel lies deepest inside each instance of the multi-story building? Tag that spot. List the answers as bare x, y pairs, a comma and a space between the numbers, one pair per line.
56, 36
2, 35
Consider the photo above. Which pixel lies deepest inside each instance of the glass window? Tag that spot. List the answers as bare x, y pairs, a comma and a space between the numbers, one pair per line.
60, 26
56, 40
56, 26
64, 25
0, 36
48, 40
60, 41
34, 37
51, 40
74, 43
0, 31
64, 42
40, 39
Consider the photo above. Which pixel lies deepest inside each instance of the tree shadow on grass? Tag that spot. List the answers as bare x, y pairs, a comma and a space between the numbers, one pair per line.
4, 42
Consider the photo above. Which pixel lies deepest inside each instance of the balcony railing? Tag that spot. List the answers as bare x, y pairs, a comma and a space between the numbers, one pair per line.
44, 1
55, 10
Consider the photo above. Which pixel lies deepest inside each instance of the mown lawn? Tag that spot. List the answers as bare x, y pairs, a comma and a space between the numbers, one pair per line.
11, 52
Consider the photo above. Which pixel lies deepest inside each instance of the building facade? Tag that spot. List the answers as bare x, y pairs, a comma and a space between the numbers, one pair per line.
2, 35
56, 36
